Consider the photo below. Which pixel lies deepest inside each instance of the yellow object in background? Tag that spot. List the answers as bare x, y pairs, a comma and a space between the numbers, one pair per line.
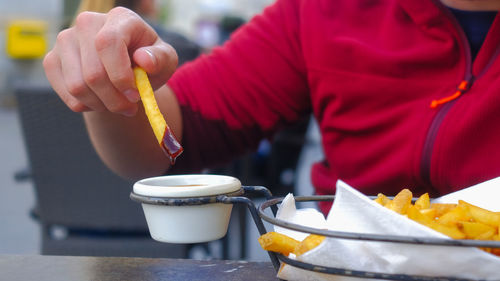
26, 39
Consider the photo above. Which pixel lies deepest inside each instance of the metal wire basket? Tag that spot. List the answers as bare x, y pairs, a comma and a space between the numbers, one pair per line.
259, 215
272, 203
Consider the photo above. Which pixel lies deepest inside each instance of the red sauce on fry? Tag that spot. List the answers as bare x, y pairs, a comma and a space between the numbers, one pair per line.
171, 145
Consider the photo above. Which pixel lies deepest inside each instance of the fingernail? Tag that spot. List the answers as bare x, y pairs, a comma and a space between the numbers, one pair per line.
153, 58
132, 95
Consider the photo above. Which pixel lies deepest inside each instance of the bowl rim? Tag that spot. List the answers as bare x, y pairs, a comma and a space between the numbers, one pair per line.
186, 186
184, 201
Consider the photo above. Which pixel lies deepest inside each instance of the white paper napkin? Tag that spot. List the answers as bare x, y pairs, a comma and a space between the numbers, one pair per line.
354, 212
485, 195
306, 217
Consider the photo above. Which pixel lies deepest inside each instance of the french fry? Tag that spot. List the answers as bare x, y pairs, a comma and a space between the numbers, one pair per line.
430, 213
415, 214
477, 230
401, 201
442, 208
382, 199
458, 221
486, 236
156, 120
277, 242
423, 202
309, 243
283, 244
165, 137
482, 215
452, 217
494, 251
451, 231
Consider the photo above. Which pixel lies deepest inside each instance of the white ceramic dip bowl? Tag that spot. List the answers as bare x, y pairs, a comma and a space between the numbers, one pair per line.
183, 208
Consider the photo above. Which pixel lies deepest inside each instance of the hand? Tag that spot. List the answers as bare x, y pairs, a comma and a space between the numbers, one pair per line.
90, 66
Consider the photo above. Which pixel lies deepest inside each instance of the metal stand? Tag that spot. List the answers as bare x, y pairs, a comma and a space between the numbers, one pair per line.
258, 215
365, 237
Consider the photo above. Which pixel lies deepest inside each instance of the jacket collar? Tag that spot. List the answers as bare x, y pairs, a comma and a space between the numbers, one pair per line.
428, 14
424, 12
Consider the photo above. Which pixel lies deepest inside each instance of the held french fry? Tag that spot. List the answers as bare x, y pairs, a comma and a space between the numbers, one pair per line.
163, 134
158, 123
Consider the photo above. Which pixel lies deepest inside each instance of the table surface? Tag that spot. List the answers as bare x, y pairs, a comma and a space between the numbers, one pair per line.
69, 268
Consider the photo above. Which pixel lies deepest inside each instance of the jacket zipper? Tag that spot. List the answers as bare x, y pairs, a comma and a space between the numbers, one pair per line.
444, 107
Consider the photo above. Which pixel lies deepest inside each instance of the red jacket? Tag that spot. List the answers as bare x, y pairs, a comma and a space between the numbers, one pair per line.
369, 71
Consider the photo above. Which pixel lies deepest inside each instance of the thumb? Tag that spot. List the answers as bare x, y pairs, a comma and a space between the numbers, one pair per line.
158, 60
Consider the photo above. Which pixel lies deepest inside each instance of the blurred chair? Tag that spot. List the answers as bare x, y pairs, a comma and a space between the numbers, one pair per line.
83, 208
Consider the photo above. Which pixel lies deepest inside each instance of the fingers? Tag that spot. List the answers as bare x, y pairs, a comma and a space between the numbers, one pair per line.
125, 34
90, 66
159, 61
119, 33
70, 66
54, 74
104, 80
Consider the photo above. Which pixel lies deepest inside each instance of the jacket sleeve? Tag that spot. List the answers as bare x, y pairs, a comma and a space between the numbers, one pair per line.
243, 91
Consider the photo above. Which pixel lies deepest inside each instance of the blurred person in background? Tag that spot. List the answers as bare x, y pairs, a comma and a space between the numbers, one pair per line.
405, 92
186, 49
145, 8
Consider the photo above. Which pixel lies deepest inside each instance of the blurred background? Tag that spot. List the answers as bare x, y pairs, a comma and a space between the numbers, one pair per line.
58, 198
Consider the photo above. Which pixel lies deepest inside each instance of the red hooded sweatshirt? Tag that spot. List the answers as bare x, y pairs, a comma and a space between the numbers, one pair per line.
368, 71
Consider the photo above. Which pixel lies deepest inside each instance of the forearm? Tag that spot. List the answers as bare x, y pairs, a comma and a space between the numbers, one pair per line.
90, 68
127, 145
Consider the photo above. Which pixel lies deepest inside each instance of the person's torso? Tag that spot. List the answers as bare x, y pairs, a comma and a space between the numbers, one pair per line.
374, 67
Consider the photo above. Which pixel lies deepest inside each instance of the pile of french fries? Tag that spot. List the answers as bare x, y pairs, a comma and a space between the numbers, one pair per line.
458, 221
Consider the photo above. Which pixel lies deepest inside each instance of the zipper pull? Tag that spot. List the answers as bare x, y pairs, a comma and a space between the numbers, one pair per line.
462, 88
